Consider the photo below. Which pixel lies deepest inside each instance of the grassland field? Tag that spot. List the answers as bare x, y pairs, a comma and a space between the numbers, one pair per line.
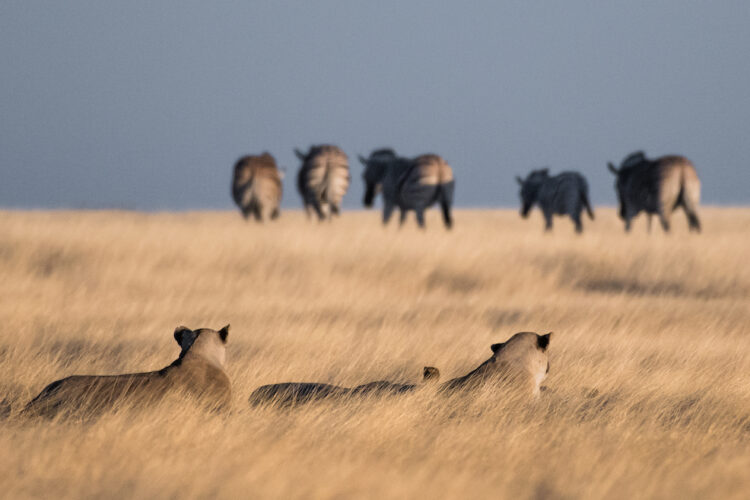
648, 395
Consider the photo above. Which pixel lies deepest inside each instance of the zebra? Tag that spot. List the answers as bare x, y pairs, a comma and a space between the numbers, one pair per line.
409, 184
566, 193
658, 187
256, 186
323, 179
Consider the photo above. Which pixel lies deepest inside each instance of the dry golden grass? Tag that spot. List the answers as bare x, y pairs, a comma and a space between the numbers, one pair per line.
649, 389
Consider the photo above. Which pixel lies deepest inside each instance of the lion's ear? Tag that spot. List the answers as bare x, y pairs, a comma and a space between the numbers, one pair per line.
496, 347
430, 374
179, 333
543, 341
223, 333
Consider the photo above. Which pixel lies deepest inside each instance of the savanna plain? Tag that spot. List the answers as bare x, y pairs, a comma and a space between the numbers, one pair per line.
648, 394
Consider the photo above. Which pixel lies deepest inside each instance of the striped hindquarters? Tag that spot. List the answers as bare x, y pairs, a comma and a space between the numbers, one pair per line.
327, 175
431, 170
257, 183
678, 182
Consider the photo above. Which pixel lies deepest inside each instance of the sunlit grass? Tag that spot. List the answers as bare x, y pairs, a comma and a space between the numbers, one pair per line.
648, 393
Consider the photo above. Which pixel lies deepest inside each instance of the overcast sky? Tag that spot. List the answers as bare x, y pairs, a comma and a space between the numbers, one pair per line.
146, 105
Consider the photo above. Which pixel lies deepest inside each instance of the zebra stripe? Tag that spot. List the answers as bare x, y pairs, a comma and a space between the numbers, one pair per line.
256, 186
566, 193
323, 179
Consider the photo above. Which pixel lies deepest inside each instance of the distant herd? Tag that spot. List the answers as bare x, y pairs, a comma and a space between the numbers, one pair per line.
654, 186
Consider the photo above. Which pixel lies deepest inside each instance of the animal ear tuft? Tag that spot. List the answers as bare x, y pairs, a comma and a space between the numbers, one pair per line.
543, 341
299, 154
519, 180
223, 333
612, 168
179, 332
430, 373
496, 347
362, 160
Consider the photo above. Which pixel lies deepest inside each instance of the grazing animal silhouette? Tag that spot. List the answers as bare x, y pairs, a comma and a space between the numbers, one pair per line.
295, 393
657, 187
198, 371
519, 364
409, 184
323, 179
256, 186
566, 193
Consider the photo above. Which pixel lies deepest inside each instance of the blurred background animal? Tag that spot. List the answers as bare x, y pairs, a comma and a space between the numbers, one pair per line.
256, 186
566, 193
657, 186
323, 179
409, 184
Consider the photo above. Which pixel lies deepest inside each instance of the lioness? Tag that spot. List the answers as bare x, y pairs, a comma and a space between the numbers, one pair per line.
198, 371
291, 393
520, 363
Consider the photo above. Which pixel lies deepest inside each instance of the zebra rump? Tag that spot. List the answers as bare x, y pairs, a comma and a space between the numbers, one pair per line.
566, 193
323, 179
658, 187
409, 184
256, 186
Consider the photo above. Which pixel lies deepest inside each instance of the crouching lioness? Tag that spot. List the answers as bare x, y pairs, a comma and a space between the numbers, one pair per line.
198, 371
295, 393
519, 364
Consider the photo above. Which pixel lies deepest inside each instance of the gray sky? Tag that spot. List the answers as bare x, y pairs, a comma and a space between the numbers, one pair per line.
147, 105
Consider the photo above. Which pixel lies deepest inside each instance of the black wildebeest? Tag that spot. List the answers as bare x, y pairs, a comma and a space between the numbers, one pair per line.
566, 193
323, 179
409, 184
256, 186
657, 187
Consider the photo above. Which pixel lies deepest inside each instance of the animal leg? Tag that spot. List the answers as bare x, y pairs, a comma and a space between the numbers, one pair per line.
420, 216
318, 209
547, 221
387, 211
577, 220
446, 198
694, 224
664, 219
402, 218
